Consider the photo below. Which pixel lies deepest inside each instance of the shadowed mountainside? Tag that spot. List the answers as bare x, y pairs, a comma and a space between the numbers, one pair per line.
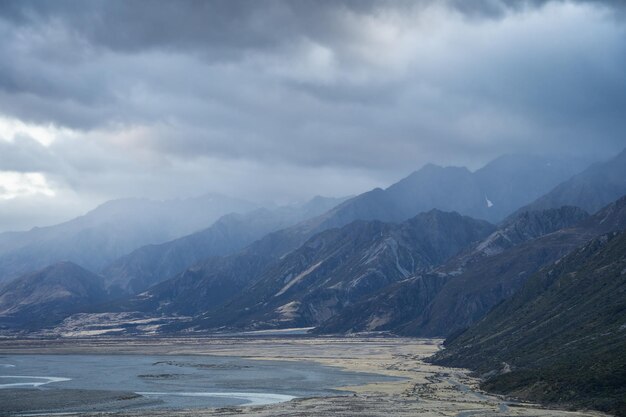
45, 297
468, 296
330, 270
562, 337
397, 307
339, 267
464, 289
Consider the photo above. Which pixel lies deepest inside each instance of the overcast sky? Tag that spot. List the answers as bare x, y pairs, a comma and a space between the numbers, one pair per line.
277, 100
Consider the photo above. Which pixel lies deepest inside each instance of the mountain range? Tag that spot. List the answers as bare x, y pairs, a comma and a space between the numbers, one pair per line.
99, 239
427, 188
491, 193
519, 265
151, 264
340, 266
472, 283
111, 230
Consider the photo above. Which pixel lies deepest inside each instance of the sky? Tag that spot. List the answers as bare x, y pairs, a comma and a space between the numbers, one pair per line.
283, 100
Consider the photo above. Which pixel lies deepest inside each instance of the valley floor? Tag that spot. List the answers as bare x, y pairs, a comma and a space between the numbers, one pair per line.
426, 390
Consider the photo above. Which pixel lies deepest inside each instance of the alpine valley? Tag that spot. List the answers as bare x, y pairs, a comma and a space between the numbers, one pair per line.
519, 265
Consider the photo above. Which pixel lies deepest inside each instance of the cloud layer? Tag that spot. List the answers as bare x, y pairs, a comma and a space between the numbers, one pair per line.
280, 100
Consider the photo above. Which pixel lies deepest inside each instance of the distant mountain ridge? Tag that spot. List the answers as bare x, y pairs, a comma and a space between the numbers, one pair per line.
592, 189
490, 193
212, 282
119, 227
149, 265
110, 231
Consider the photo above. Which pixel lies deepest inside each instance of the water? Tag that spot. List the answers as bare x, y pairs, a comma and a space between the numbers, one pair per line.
180, 381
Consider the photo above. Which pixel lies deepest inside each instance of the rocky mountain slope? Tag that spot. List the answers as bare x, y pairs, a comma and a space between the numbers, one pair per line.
149, 265
110, 231
244, 290
341, 266
523, 227
215, 280
45, 297
468, 296
354, 260
493, 191
428, 188
464, 289
562, 337
395, 308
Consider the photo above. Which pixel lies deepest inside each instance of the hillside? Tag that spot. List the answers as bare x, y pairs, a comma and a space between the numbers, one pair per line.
468, 296
397, 307
45, 297
562, 337
201, 273
341, 266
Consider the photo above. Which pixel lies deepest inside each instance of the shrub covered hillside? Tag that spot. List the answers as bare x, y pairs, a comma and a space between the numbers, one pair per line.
562, 338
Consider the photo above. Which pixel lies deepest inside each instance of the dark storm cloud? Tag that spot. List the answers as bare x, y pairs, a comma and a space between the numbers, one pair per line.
225, 29
221, 29
288, 98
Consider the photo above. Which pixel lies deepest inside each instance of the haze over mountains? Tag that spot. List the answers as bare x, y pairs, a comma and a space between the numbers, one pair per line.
343, 266
490, 193
151, 264
236, 263
469, 163
110, 231
340, 266
590, 190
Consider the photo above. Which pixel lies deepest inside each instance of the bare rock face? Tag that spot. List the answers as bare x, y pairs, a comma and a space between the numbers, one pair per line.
523, 227
475, 290
469, 285
340, 267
